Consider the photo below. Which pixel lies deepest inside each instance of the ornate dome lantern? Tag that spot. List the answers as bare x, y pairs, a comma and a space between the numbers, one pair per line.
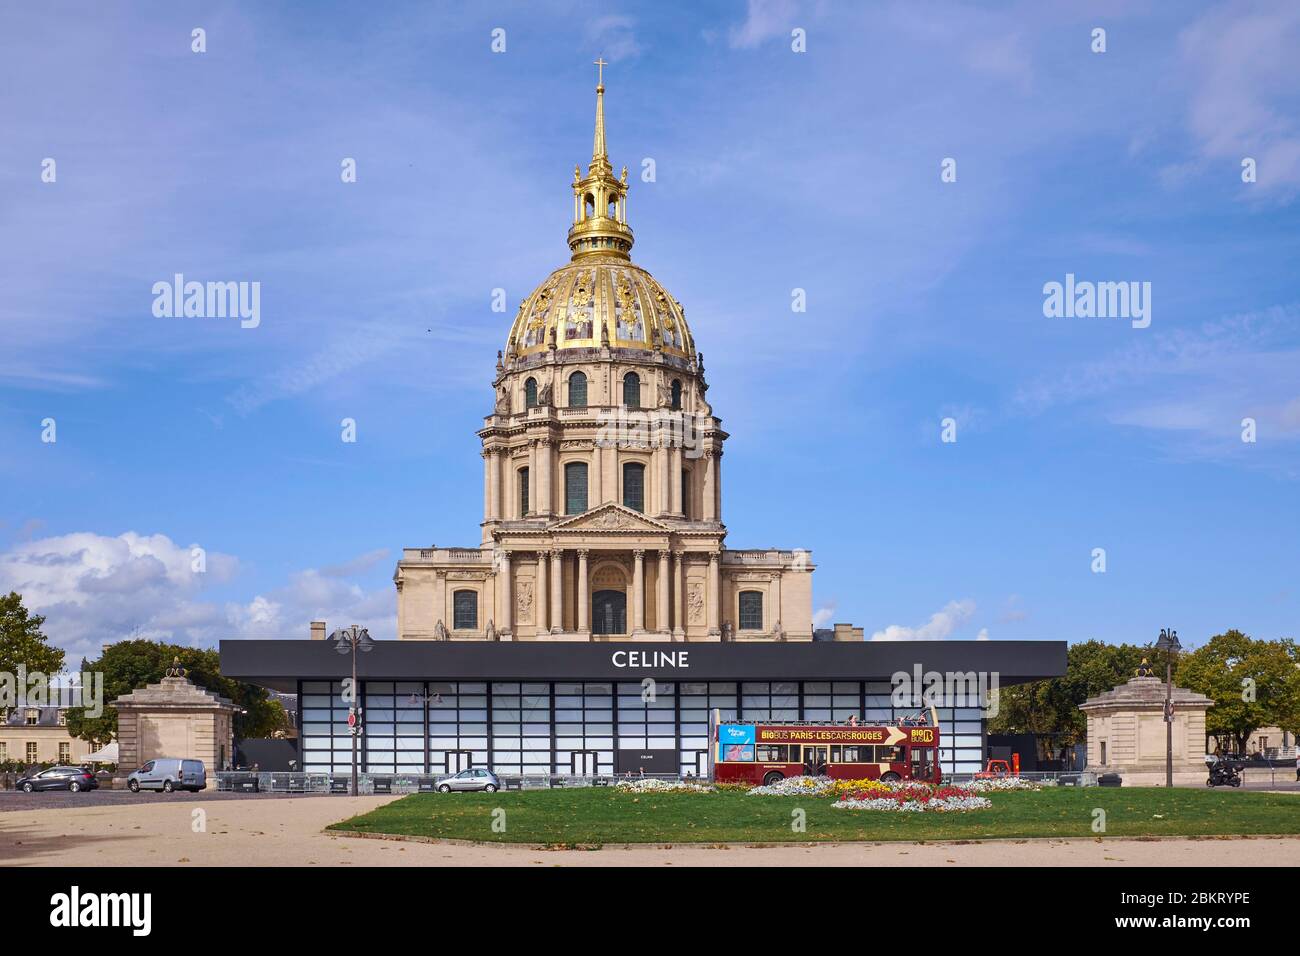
600, 298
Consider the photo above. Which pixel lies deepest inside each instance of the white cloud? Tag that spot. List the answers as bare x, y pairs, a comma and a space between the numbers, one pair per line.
823, 615
1242, 57
95, 589
764, 20
615, 37
940, 625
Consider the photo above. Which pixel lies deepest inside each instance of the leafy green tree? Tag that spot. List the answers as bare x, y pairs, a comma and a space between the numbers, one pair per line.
1253, 684
127, 665
1052, 706
22, 641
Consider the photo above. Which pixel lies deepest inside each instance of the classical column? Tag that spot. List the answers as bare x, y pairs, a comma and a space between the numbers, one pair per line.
596, 494
717, 485
584, 599
543, 617
664, 496
506, 617
487, 485
546, 505
557, 591
661, 605
709, 500
638, 591
679, 592
715, 594
532, 477
494, 483
675, 479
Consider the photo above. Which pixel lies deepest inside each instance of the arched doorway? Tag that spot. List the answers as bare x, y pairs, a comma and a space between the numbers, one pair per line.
609, 612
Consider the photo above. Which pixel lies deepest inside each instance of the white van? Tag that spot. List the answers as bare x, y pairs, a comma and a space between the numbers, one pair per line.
168, 774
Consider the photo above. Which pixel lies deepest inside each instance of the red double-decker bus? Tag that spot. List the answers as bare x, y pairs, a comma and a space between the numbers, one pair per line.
757, 753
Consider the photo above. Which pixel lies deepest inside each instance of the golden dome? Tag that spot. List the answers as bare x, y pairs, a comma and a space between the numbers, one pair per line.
599, 301
600, 298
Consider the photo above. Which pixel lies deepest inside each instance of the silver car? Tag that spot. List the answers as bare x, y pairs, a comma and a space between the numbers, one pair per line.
475, 778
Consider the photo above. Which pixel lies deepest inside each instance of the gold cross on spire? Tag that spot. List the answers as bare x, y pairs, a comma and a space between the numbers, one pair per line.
600, 71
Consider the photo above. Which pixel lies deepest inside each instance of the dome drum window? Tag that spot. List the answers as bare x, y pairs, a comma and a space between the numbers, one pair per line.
465, 611
751, 610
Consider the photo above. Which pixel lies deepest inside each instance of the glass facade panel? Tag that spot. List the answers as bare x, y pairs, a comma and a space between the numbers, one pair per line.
576, 726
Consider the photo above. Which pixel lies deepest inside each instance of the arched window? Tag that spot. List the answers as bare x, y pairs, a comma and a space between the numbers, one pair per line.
577, 390
751, 610
634, 486
575, 488
677, 394
464, 611
523, 491
530, 393
589, 204
632, 390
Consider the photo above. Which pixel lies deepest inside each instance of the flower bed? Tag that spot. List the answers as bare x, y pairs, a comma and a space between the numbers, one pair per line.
914, 798
655, 785
987, 784
796, 787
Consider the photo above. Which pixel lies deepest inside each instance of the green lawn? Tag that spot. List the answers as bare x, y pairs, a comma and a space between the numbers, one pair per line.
598, 815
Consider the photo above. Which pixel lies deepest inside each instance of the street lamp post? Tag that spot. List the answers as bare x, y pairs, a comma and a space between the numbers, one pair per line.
1168, 642
351, 640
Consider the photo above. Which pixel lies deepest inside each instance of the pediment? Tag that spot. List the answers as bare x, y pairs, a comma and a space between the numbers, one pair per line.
610, 517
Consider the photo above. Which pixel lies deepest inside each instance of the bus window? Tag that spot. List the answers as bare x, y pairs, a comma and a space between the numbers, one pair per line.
850, 754
773, 753
889, 754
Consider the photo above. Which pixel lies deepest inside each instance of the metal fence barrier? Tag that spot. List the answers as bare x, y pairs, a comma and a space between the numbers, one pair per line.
242, 781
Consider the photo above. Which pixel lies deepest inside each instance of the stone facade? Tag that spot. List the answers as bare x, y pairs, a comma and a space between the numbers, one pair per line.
1126, 733
602, 472
31, 735
174, 718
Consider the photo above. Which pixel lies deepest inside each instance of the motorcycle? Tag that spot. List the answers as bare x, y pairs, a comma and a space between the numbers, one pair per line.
1224, 774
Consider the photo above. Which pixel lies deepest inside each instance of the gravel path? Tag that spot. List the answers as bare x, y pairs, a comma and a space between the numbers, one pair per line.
287, 831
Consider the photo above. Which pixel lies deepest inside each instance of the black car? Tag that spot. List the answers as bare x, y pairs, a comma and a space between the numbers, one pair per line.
58, 778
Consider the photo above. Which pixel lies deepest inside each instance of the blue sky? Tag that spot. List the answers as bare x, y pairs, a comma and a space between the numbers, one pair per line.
775, 170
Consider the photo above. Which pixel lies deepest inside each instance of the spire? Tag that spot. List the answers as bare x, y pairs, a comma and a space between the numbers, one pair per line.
599, 155
600, 198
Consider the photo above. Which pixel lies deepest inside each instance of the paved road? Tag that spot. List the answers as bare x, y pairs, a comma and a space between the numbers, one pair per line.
11, 800
288, 831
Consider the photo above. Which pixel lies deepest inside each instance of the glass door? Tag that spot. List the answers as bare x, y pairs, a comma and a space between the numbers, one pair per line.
457, 760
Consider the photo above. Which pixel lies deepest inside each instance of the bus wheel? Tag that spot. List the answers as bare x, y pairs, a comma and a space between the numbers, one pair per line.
772, 778
890, 777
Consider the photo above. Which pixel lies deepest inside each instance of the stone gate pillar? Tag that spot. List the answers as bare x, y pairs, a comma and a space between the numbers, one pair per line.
1126, 733
174, 718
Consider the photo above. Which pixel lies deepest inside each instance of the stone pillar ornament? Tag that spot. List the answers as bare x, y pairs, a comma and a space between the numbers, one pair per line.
638, 591
546, 505
679, 595
661, 604
715, 593
709, 496
557, 591
506, 588
584, 598
543, 613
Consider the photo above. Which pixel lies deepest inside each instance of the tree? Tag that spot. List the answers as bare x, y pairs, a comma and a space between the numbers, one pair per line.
1253, 684
127, 665
1052, 706
22, 641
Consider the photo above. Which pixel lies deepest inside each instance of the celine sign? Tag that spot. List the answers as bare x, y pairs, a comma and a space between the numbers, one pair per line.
679, 659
